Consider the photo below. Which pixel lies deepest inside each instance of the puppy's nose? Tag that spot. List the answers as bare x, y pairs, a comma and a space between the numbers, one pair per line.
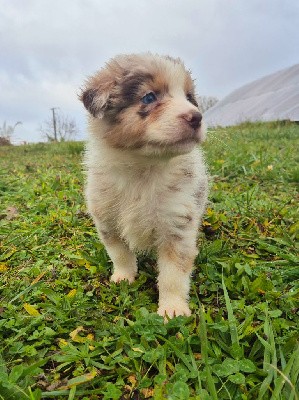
193, 118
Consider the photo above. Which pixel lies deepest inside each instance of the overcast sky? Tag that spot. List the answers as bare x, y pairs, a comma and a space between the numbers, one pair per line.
48, 47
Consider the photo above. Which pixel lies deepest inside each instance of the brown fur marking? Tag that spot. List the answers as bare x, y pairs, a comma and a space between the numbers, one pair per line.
188, 173
182, 261
199, 196
130, 87
173, 188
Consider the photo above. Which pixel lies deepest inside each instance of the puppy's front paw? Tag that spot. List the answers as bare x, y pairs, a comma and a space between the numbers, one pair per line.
174, 309
122, 276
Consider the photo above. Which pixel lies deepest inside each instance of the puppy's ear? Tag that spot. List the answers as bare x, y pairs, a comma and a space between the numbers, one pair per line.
96, 93
88, 99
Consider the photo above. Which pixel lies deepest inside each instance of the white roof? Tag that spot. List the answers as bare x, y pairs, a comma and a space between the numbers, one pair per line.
273, 97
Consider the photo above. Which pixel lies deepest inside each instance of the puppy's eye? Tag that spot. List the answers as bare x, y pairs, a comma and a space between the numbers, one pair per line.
149, 98
190, 97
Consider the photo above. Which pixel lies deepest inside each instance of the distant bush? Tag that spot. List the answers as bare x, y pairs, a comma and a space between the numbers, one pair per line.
6, 132
5, 141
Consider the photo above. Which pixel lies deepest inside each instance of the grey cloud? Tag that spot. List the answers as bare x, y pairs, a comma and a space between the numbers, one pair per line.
48, 47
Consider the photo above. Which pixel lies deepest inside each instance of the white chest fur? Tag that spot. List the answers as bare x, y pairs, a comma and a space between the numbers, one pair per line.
146, 201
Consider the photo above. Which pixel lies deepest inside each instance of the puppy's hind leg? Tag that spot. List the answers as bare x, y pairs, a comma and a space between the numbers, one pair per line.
124, 261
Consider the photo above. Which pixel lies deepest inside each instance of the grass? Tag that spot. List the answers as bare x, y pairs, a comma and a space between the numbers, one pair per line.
66, 332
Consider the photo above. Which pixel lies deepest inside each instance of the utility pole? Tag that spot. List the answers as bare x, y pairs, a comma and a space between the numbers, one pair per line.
54, 123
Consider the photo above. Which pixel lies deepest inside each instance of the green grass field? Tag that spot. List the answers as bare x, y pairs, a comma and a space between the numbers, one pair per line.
66, 332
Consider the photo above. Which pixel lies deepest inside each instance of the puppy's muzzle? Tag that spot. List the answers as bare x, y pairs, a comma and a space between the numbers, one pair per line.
193, 118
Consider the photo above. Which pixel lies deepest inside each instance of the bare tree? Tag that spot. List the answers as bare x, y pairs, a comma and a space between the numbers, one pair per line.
6, 132
206, 102
59, 128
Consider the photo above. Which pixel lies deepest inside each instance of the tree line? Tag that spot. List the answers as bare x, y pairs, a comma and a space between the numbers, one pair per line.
58, 127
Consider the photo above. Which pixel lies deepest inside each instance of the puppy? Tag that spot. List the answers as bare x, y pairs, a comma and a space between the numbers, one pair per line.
146, 179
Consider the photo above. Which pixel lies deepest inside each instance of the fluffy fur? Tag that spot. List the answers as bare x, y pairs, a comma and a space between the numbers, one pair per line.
146, 179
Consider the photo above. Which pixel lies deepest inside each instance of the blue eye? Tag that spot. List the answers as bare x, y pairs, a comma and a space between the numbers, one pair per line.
149, 98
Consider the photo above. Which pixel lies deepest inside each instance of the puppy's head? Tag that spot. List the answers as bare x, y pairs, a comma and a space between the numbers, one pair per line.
145, 103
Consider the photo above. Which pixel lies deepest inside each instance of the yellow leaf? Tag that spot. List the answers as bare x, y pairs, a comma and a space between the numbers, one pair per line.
79, 380
31, 310
206, 223
3, 267
256, 162
71, 293
261, 291
249, 330
38, 278
74, 335
137, 349
132, 379
62, 342
87, 265
197, 356
148, 393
